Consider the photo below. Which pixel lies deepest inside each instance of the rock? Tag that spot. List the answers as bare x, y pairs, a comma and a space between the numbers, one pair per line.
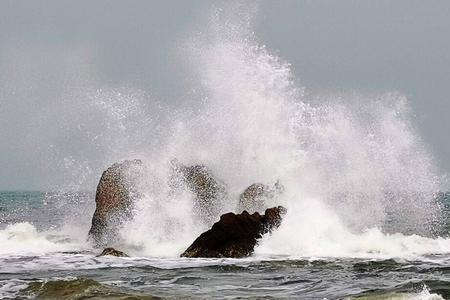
113, 252
235, 235
116, 192
254, 198
209, 192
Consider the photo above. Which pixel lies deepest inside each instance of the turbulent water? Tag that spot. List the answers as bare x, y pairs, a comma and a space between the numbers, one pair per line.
50, 260
366, 217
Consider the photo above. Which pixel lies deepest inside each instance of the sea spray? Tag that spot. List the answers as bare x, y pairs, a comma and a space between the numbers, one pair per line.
351, 164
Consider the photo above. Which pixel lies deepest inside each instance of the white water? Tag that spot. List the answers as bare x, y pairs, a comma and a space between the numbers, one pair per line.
423, 295
348, 162
25, 239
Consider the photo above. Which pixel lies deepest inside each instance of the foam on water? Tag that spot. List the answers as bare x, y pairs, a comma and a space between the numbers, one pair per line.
426, 295
423, 295
25, 239
307, 235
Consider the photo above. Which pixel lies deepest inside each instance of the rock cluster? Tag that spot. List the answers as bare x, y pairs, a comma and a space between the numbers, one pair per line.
234, 235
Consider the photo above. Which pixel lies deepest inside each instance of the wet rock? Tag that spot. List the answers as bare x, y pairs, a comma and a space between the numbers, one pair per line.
112, 252
254, 198
116, 193
209, 192
235, 235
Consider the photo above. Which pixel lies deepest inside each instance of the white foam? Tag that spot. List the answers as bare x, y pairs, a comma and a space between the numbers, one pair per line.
423, 295
25, 239
313, 230
426, 295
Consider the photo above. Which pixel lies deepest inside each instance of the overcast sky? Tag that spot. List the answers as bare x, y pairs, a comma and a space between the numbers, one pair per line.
55, 47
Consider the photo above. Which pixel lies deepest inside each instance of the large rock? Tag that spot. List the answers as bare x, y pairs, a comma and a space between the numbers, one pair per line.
116, 193
209, 193
254, 198
235, 235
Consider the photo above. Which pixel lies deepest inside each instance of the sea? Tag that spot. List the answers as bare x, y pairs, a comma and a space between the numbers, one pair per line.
42, 257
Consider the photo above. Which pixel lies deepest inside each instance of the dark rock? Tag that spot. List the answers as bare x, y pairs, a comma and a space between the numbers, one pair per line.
209, 192
254, 198
113, 252
235, 235
116, 193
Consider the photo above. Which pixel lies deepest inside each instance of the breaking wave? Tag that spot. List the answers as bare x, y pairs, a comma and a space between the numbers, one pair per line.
358, 179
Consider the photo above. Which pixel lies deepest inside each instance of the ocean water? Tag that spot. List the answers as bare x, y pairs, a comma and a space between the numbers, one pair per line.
41, 258
366, 215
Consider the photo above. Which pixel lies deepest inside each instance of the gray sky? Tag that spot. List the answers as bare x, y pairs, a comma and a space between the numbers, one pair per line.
56, 47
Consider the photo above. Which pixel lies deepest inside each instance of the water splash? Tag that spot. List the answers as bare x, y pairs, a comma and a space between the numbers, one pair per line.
350, 163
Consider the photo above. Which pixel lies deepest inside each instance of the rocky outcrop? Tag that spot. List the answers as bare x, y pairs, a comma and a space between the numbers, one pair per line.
235, 235
209, 192
254, 198
116, 192
112, 252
